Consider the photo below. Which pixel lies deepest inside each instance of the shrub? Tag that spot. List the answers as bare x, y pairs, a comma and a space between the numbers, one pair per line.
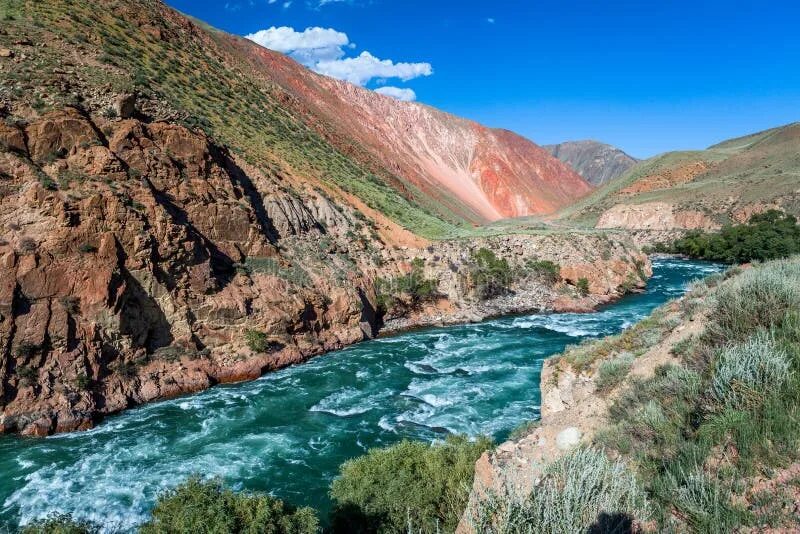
703, 502
257, 341
490, 274
26, 350
27, 374
766, 236
27, 245
746, 373
652, 413
413, 284
59, 524
71, 304
206, 506
410, 485
612, 372
86, 248
126, 369
583, 286
582, 492
83, 382
758, 299
547, 270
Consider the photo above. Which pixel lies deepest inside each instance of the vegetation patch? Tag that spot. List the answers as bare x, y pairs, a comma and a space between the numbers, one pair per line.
766, 236
490, 275
612, 372
414, 286
547, 270
207, 506
583, 491
408, 487
698, 434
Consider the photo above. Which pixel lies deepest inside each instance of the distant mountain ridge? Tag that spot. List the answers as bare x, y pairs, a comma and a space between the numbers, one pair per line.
700, 189
598, 163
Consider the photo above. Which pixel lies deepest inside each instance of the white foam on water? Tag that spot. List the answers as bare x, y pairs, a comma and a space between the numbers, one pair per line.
465, 379
573, 325
350, 401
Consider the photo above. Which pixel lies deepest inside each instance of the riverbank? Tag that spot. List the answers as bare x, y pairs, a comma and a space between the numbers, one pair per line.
288, 432
694, 407
259, 323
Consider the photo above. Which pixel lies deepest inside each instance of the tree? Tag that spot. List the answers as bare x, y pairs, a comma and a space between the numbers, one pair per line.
208, 507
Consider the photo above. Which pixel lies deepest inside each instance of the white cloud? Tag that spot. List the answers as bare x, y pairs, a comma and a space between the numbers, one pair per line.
363, 68
490, 20
307, 47
406, 95
324, 49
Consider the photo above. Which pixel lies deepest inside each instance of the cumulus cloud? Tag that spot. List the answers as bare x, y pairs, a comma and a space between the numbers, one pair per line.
324, 50
307, 47
406, 95
363, 68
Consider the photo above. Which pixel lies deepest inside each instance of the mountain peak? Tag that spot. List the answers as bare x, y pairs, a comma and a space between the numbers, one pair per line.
596, 162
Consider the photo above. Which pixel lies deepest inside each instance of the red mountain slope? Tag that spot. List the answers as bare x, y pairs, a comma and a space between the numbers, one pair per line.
479, 173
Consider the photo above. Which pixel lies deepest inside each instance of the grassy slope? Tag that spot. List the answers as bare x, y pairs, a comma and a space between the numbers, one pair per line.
713, 438
760, 167
708, 441
193, 70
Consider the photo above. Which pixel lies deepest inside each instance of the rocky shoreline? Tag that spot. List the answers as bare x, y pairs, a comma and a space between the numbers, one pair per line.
140, 261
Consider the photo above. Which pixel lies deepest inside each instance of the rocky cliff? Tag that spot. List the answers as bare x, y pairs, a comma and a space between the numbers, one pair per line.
140, 260
160, 233
574, 407
598, 163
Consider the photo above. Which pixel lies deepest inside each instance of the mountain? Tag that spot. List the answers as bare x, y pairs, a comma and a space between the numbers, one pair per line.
598, 163
180, 207
703, 189
426, 170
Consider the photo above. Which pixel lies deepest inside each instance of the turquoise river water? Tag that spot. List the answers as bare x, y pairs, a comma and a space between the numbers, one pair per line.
288, 432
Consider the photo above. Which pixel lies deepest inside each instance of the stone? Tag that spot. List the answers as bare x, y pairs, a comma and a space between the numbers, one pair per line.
125, 106
569, 438
12, 138
5, 52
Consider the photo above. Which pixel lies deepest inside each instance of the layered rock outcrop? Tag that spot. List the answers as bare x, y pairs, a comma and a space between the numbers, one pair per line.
140, 260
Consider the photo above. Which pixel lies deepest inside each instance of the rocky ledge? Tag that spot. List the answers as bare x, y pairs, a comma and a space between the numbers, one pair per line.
573, 407
139, 261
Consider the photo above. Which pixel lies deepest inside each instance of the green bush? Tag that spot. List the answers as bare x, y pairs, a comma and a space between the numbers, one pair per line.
206, 506
59, 524
582, 492
757, 299
410, 485
547, 270
703, 502
651, 414
490, 275
766, 236
413, 284
612, 372
746, 373
257, 341
583, 286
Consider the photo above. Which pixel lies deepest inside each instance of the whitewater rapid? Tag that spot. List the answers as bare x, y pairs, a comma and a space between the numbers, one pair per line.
288, 432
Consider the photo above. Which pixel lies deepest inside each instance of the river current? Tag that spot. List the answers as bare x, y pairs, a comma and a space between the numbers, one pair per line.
287, 432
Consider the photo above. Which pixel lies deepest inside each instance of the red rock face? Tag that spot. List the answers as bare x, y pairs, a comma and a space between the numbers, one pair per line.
479, 173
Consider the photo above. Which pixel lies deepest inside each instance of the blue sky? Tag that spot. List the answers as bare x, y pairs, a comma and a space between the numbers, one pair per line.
647, 76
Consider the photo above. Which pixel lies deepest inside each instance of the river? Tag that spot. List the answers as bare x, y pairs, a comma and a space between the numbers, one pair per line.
287, 432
